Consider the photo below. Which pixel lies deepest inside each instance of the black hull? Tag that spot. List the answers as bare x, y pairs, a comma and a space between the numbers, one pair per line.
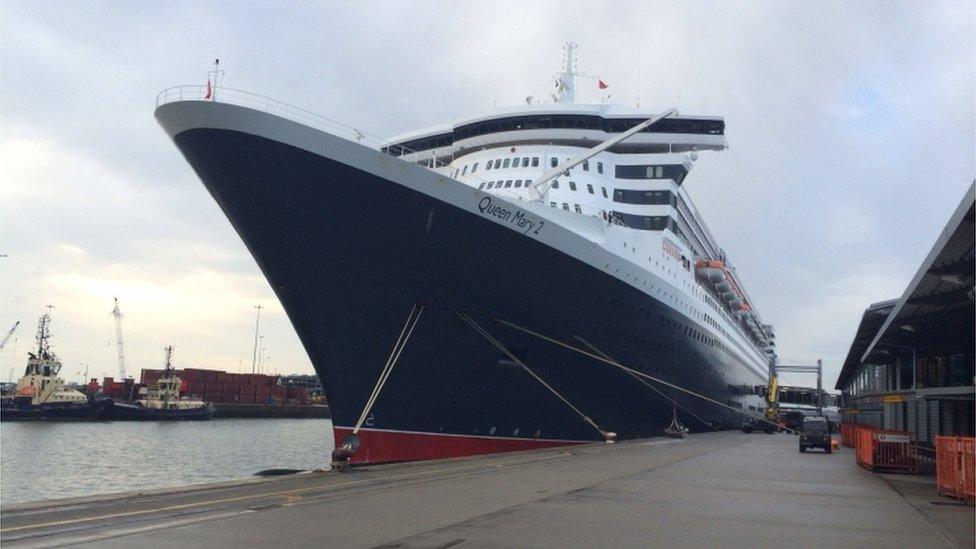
349, 254
132, 412
92, 410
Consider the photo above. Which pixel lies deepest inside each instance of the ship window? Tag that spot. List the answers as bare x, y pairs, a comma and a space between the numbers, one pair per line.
599, 167
535, 161
555, 184
518, 183
482, 186
474, 168
676, 172
578, 209
528, 182
490, 184
586, 165
525, 162
572, 185
650, 223
552, 204
553, 161
604, 189
589, 188
565, 206
506, 163
464, 171
488, 165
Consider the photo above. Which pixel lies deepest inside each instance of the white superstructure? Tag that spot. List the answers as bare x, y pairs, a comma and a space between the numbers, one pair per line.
628, 199
41, 380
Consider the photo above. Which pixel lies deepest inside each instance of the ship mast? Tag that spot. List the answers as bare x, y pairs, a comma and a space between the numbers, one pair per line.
45, 362
566, 80
168, 368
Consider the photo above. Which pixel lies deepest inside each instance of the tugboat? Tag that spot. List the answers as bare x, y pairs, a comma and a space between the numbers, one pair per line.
41, 394
162, 401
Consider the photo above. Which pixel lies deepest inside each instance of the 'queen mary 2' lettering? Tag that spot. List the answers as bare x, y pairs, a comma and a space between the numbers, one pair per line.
515, 217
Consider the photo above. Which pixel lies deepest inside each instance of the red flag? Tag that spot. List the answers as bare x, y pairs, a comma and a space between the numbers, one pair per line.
210, 90
603, 85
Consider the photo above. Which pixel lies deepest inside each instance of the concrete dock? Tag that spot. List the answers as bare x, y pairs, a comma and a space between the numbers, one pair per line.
719, 489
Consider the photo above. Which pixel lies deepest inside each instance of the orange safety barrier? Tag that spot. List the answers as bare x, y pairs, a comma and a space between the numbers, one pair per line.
886, 451
848, 433
955, 465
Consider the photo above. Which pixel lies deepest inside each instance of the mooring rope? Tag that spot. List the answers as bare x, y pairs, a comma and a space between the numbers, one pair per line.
528, 370
649, 386
626, 369
401, 343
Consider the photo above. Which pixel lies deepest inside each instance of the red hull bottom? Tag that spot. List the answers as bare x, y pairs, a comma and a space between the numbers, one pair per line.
390, 446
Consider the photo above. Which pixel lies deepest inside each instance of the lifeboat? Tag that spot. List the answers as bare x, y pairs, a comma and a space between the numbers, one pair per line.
720, 278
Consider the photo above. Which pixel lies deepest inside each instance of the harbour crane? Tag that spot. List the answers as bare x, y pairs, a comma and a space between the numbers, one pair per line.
10, 333
118, 339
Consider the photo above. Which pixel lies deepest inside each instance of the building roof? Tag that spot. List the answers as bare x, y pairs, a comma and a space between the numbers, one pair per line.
872, 319
936, 311
935, 314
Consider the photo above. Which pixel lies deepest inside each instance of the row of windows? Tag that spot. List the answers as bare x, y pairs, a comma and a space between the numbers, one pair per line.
553, 162
646, 222
572, 187
558, 121
677, 172
626, 196
673, 327
576, 207
504, 184
515, 163
500, 163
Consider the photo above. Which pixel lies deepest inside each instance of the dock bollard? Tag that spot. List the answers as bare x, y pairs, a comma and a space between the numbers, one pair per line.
342, 454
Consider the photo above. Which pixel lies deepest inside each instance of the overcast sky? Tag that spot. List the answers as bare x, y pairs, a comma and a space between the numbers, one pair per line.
851, 131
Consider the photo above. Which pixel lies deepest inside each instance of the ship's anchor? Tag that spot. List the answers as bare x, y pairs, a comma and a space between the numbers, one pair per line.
350, 443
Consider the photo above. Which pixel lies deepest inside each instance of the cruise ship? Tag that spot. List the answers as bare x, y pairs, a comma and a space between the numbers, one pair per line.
522, 278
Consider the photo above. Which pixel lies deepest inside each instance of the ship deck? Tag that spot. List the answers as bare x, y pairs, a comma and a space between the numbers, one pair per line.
716, 489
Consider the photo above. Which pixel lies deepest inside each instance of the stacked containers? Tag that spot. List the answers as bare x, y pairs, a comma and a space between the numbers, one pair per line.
223, 387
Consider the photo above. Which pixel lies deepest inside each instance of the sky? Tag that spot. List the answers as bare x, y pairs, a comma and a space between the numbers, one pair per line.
851, 131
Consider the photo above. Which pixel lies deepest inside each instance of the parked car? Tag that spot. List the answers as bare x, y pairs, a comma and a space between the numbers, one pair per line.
815, 433
756, 424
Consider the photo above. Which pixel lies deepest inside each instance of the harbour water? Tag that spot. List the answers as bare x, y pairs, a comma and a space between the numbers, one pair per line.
60, 460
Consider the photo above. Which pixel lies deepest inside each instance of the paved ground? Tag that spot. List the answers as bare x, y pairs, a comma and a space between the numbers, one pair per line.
720, 489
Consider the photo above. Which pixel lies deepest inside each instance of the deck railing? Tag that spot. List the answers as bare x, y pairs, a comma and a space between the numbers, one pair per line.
233, 96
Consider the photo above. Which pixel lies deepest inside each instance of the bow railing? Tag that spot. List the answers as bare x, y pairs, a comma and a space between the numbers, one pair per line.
233, 96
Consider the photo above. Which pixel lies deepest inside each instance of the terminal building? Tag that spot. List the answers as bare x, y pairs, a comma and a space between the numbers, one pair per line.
910, 366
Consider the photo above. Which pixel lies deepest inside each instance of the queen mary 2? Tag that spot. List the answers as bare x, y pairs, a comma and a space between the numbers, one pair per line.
523, 278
